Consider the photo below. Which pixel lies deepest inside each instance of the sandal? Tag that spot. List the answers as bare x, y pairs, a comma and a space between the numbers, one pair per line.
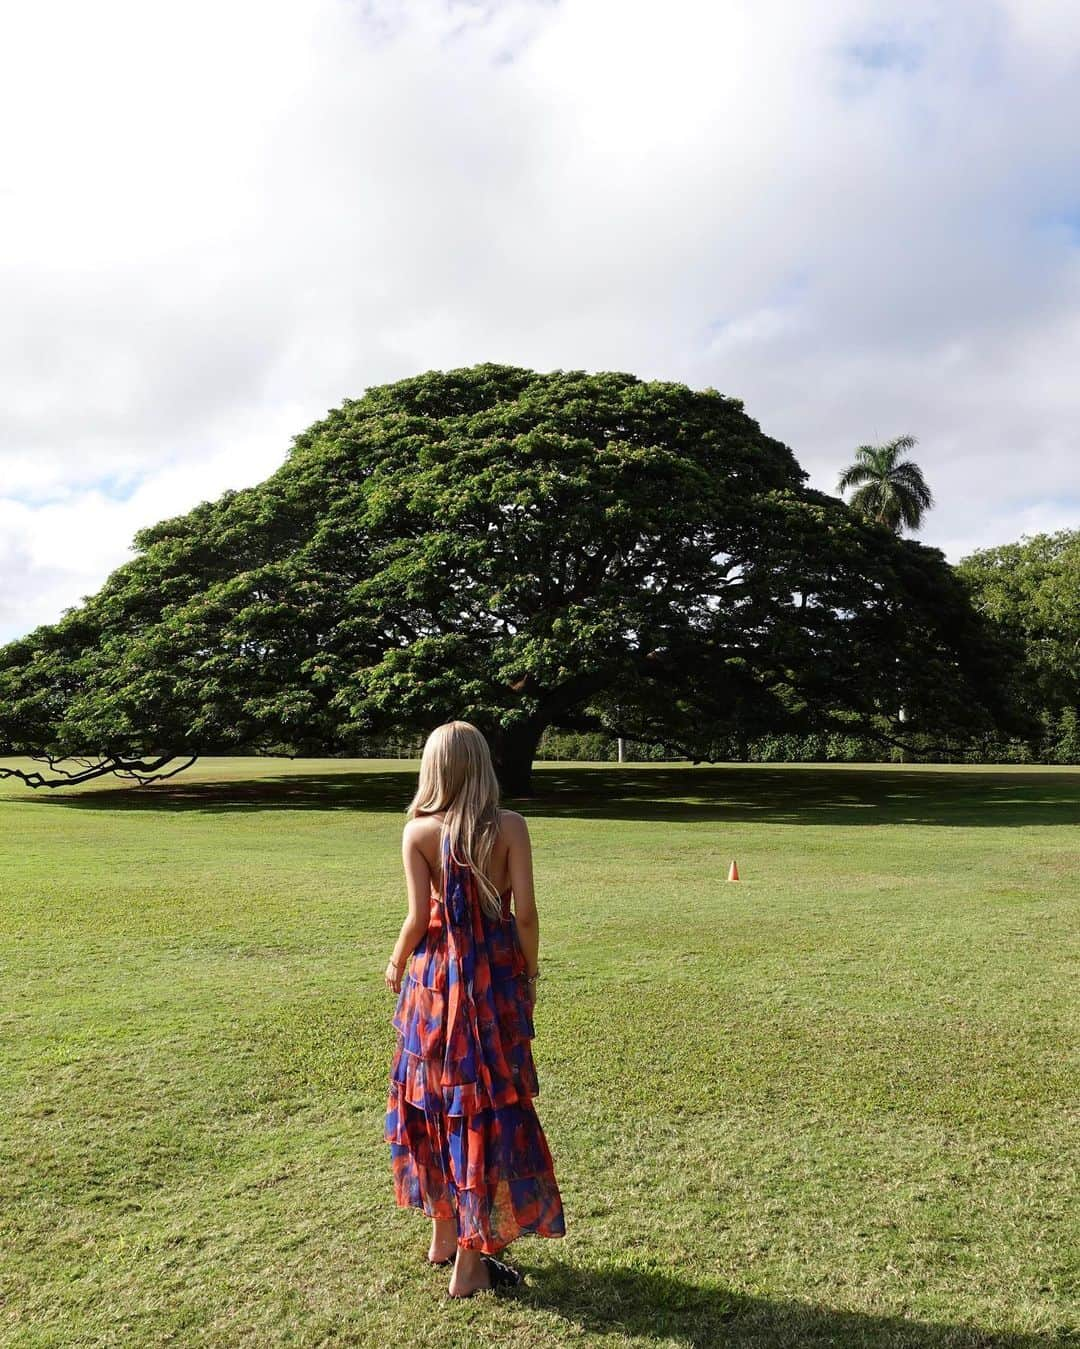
438, 1264
501, 1274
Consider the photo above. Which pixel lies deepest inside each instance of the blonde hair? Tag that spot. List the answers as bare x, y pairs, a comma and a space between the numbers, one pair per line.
458, 777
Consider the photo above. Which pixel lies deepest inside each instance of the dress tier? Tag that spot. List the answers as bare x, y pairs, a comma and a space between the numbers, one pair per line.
465, 1140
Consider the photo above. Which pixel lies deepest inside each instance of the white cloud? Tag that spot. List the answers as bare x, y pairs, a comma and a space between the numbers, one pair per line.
217, 222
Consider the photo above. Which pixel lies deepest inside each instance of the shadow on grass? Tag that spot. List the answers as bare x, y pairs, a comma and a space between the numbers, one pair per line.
728, 794
658, 1305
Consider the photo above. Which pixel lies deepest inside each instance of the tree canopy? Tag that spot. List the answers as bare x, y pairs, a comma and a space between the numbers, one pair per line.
1031, 591
521, 550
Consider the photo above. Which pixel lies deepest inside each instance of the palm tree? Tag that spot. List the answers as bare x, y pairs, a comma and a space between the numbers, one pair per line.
889, 489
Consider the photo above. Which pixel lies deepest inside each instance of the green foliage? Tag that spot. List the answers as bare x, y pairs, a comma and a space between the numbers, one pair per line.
889, 489
578, 746
596, 747
522, 550
1030, 591
790, 747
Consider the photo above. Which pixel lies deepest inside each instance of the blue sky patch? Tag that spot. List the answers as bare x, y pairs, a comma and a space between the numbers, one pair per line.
115, 486
886, 54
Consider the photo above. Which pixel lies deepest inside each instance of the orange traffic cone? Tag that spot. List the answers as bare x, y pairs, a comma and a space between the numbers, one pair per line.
733, 871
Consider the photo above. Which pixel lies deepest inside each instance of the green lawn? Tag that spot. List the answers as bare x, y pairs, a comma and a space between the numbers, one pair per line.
833, 1104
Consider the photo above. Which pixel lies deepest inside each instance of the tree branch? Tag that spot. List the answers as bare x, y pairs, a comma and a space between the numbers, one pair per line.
138, 770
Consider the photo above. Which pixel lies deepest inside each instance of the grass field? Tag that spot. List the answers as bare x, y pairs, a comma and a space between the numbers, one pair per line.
834, 1104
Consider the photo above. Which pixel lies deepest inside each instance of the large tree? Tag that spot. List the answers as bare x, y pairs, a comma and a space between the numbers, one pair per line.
1031, 591
518, 549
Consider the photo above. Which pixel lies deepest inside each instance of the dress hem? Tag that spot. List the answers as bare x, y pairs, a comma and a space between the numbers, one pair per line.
478, 1244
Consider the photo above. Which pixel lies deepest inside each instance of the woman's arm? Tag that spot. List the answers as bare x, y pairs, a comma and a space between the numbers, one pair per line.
418, 882
519, 859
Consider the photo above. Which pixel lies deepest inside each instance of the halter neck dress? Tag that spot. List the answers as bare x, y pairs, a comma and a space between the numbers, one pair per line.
465, 1140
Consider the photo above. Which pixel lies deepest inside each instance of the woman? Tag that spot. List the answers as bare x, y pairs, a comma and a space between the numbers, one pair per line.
466, 1146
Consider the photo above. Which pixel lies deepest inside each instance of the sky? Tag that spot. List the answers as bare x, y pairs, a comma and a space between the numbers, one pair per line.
219, 220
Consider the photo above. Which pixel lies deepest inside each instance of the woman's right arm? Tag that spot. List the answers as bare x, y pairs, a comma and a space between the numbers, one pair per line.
418, 884
519, 859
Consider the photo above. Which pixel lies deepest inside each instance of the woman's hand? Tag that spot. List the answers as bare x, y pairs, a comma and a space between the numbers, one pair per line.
392, 977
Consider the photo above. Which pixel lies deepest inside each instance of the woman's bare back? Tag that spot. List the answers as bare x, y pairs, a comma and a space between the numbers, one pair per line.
427, 833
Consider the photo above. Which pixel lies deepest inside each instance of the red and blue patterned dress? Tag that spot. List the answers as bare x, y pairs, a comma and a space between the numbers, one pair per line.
464, 1137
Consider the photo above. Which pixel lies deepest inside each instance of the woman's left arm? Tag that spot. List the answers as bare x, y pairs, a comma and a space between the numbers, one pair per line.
418, 881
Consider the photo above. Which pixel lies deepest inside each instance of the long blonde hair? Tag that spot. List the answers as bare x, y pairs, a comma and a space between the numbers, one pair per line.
458, 777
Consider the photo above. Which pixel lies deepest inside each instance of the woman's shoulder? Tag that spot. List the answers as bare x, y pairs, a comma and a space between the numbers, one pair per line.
423, 826
511, 824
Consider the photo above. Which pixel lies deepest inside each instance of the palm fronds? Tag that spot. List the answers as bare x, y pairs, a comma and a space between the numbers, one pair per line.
888, 489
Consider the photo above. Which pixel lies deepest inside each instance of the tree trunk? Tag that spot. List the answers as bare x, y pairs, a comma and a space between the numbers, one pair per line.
513, 749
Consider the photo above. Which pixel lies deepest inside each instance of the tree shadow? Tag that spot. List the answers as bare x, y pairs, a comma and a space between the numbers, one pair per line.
725, 794
659, 1305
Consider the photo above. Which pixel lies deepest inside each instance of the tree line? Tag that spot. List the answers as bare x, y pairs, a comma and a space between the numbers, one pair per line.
571, 552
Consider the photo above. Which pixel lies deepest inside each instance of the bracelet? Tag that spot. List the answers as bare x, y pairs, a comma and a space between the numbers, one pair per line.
394, 965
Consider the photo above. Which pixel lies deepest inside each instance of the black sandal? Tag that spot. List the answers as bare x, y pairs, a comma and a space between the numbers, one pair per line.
501, 1274
438, 1264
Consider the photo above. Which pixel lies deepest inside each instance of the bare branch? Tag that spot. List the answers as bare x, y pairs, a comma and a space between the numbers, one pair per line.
141, 771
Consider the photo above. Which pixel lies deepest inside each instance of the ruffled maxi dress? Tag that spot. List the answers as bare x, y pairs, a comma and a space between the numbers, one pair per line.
465, 1140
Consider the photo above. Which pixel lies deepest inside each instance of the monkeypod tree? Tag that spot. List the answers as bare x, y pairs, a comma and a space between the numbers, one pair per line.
519, 550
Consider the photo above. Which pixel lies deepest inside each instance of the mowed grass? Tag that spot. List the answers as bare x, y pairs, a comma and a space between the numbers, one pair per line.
832, 1104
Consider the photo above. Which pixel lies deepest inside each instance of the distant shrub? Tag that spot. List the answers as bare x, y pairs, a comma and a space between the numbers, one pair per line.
597, 747
1060, 745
